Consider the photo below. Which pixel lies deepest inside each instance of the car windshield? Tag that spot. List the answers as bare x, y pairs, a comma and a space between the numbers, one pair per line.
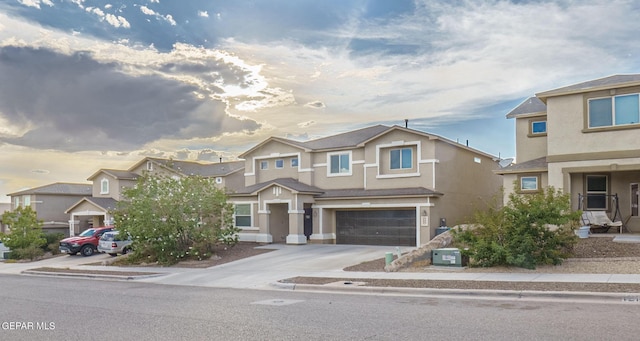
87, 233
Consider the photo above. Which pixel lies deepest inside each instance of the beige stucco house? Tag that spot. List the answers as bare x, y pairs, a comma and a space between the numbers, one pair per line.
583, 139
50, 202
108, 185
378, 185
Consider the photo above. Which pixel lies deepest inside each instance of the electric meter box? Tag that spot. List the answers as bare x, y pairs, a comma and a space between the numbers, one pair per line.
448, 257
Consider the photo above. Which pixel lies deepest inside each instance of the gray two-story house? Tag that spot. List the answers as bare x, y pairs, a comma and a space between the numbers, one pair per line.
50, 202
378, 185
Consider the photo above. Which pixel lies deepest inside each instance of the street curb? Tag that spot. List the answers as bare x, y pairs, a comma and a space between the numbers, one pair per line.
469, 293
86, 275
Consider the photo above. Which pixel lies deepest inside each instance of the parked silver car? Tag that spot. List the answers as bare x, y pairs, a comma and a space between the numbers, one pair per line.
112, 243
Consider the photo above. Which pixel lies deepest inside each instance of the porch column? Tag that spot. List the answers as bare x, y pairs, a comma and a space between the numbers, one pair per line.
296, 227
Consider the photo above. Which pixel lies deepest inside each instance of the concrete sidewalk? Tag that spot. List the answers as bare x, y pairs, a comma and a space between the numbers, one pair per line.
287, 261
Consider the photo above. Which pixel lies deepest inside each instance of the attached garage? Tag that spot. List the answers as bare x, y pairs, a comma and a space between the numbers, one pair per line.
376, 227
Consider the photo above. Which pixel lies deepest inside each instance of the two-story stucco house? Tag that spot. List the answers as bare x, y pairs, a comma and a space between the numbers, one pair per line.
95, 210
378, 185
50, 201
583, 139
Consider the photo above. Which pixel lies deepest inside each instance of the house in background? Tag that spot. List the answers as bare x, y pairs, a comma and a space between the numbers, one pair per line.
583, 139
50, 202
108, 184
4, 207
379, 185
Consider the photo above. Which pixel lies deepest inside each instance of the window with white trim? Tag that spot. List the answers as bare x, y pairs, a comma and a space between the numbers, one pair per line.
339, 163
26, 200
538, 127
149, 166
597, 191
279, 163
16, 202
401, 158
529, 183
264, 164
614, 111
242, 215
104, 186
294, 162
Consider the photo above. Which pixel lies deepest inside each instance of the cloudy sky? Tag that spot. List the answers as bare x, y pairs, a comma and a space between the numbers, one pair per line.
97, 84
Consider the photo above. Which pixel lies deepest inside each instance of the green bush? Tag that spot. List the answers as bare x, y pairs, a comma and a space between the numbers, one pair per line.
170, 220
531, 230
25, 234
53, 242
31, 252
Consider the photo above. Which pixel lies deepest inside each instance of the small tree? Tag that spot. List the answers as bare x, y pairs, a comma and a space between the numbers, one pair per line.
532, 229
25, 238
173, 219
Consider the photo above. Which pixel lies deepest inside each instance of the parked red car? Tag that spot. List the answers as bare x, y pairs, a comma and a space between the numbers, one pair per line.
86, 243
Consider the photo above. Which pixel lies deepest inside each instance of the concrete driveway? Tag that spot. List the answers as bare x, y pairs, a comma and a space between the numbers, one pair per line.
286, 261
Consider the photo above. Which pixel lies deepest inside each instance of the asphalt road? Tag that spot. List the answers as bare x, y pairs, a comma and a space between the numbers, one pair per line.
45, 308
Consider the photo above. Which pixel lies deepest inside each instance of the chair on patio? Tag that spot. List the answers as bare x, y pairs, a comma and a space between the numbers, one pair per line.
599, 221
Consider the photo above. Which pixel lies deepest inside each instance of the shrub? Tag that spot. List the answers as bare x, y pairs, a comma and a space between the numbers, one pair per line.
25, 233
53, 242
532, 229
170, 220
31, 252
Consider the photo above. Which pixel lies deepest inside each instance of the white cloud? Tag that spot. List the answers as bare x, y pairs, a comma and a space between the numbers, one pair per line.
117, 21
36, 3
146, 10
203, 14
169, 19
108, 6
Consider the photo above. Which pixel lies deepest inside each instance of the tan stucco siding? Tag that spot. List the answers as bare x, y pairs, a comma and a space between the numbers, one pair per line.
270, 153
567, 117
467, 181
529, 147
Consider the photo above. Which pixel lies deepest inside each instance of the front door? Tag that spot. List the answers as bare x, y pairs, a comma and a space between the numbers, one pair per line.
308, 222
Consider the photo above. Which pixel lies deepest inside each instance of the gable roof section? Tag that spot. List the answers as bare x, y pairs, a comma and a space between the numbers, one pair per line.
289, 183
115, 173
106, 204
535, 165
615, 81
59, 188
195, 168
346, 140
531, 105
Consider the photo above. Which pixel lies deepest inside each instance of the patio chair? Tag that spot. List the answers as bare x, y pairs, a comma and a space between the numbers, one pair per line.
599, 221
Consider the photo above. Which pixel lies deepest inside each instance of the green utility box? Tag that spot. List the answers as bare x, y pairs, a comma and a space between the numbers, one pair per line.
448, 257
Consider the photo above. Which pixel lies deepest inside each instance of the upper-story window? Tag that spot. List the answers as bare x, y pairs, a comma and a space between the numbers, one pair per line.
340, 163
294, 162
539, 127
401, 158
614, 111
16, 202
264, 164
26, 200
104, 186
279, 163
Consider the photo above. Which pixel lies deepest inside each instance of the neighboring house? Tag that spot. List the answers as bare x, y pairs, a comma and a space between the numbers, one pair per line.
95, 210
50, 202
585, 140
4, 207
378, 185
